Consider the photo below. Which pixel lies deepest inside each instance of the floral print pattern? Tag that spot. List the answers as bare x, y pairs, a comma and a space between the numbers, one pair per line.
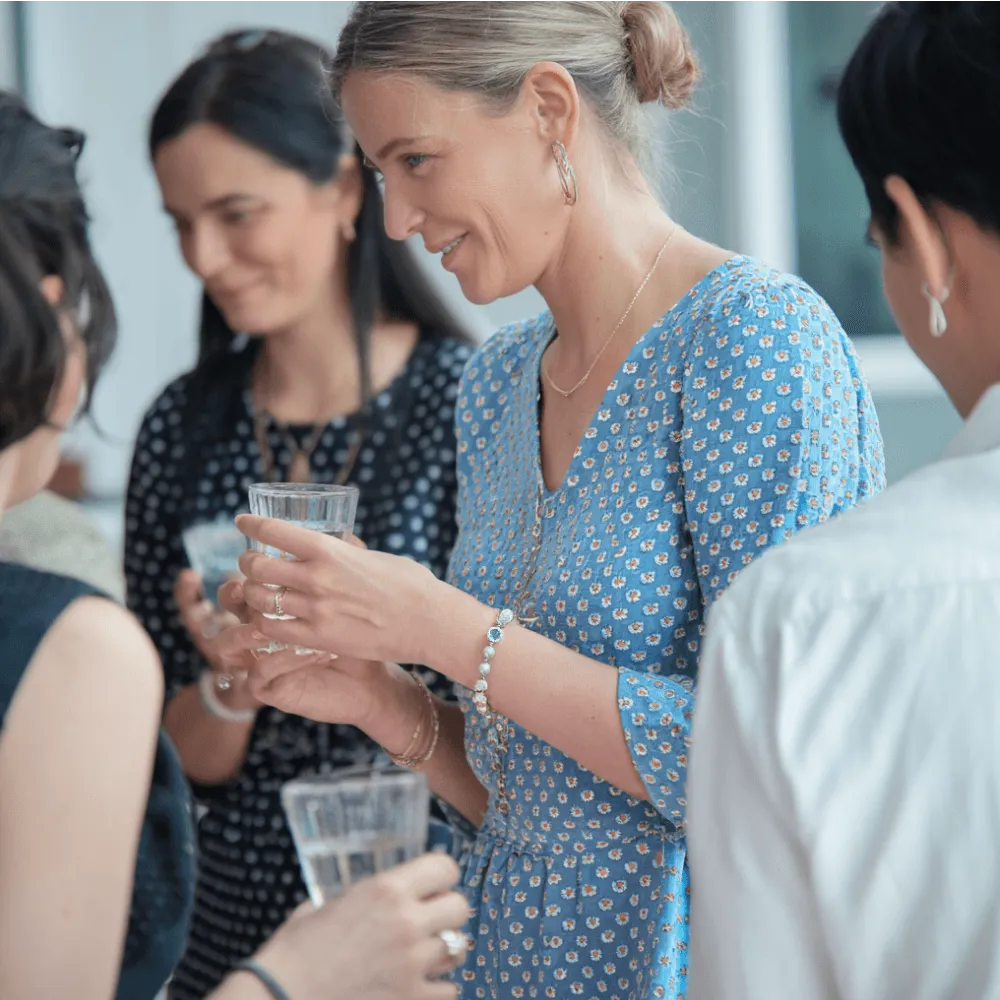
739, 418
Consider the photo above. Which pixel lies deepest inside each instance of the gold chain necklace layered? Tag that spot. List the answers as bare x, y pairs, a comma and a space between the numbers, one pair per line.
566, 393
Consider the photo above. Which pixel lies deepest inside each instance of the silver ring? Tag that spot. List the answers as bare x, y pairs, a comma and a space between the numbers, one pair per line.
278, 595
455, 942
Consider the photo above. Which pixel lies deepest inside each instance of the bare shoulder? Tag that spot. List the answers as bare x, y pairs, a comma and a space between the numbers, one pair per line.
97, 646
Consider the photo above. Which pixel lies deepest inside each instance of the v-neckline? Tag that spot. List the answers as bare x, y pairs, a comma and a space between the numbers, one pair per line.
536, 381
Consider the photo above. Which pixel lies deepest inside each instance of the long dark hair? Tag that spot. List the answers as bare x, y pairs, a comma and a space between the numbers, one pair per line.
920, 98
269, 90
43, 231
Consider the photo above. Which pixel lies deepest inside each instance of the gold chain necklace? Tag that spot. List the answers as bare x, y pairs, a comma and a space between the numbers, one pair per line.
566, 393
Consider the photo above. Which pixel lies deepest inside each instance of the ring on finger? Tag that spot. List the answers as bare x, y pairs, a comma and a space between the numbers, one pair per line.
279, 596
455, 943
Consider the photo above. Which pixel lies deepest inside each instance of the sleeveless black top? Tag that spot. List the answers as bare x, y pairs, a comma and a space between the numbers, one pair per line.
163, 894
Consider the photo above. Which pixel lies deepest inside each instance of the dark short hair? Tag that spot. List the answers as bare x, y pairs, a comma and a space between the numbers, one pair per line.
43, 231
921, 98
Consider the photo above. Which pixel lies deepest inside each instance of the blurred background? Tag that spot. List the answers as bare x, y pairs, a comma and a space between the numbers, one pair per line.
756, 166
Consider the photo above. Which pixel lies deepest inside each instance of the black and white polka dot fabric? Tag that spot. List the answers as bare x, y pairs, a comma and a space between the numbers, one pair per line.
249, 877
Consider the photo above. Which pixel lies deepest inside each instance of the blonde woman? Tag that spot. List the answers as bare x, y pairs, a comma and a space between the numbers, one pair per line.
676, 411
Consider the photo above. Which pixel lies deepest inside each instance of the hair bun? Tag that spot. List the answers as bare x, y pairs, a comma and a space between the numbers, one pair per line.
664, 65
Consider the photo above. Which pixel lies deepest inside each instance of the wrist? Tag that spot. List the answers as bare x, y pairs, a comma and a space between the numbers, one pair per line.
238, 697
398, 707
243, 985
215, 692
458, 648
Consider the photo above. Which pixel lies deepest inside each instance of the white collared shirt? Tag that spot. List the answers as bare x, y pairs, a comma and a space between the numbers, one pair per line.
844, 787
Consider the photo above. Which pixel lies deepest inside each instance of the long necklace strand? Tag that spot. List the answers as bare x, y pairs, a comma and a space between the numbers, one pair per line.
566, 393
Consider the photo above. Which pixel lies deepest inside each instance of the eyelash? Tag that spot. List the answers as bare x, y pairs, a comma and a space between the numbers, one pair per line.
422, 157
407, 159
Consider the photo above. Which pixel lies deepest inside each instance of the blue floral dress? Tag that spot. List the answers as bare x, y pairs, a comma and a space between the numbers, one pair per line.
739, 418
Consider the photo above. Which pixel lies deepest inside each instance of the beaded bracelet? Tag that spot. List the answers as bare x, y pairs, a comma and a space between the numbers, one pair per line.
493, 635
405, 759
207, 683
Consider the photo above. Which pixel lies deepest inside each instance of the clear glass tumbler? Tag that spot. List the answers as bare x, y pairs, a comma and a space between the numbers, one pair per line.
353, 823
213, 550
327, 509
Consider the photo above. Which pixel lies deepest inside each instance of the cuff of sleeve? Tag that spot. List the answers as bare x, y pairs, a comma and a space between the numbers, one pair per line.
656, 715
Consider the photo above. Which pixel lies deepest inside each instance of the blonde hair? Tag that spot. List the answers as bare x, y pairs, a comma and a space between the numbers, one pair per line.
620, 55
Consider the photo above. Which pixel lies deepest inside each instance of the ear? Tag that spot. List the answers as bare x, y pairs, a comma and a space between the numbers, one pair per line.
925, 237
350, 189
52, 288
549, 94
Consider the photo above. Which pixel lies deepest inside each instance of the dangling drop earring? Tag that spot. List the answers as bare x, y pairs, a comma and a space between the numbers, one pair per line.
567, 176
938, 321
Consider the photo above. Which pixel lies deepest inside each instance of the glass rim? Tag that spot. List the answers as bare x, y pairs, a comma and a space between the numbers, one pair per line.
302, 489
352, 777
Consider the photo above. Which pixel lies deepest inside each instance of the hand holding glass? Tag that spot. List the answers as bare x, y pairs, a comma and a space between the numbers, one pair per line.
324, 508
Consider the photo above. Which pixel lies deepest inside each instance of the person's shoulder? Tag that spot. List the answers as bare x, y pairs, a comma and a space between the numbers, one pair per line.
743, 296
504, 354
905, 541
442, 360
91, 661
164, 417
97, 641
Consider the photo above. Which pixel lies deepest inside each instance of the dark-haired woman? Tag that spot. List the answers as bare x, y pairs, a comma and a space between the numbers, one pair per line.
323, 357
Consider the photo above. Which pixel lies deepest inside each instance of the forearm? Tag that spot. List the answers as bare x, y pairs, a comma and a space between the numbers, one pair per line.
448, 772
399, 705
567, 699
211, 750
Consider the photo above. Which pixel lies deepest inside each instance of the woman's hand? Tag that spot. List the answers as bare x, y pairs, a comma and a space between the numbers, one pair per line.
204, 623
381, 940
352, 602
378, 698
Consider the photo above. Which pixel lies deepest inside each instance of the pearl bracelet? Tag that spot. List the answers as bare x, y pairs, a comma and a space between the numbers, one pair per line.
493, 635
211, 703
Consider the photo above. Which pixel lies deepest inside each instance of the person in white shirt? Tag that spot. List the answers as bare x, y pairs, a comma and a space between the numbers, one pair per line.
844, 790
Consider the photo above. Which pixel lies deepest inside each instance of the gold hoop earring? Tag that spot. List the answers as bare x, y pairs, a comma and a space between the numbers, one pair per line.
938, 321
567, 176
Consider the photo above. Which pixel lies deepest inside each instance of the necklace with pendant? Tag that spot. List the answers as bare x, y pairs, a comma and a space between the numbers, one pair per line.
300, 467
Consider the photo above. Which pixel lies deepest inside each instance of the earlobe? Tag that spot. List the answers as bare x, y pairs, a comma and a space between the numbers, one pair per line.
929, 247
53, 289
350, 192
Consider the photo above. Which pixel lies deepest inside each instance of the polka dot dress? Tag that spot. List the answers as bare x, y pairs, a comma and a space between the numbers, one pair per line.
249, 876
738, 419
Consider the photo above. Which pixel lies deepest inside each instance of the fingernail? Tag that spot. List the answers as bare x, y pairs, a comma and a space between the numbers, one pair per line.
258, 636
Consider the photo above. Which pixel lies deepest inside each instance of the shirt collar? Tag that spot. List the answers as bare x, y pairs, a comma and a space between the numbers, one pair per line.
981, 431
